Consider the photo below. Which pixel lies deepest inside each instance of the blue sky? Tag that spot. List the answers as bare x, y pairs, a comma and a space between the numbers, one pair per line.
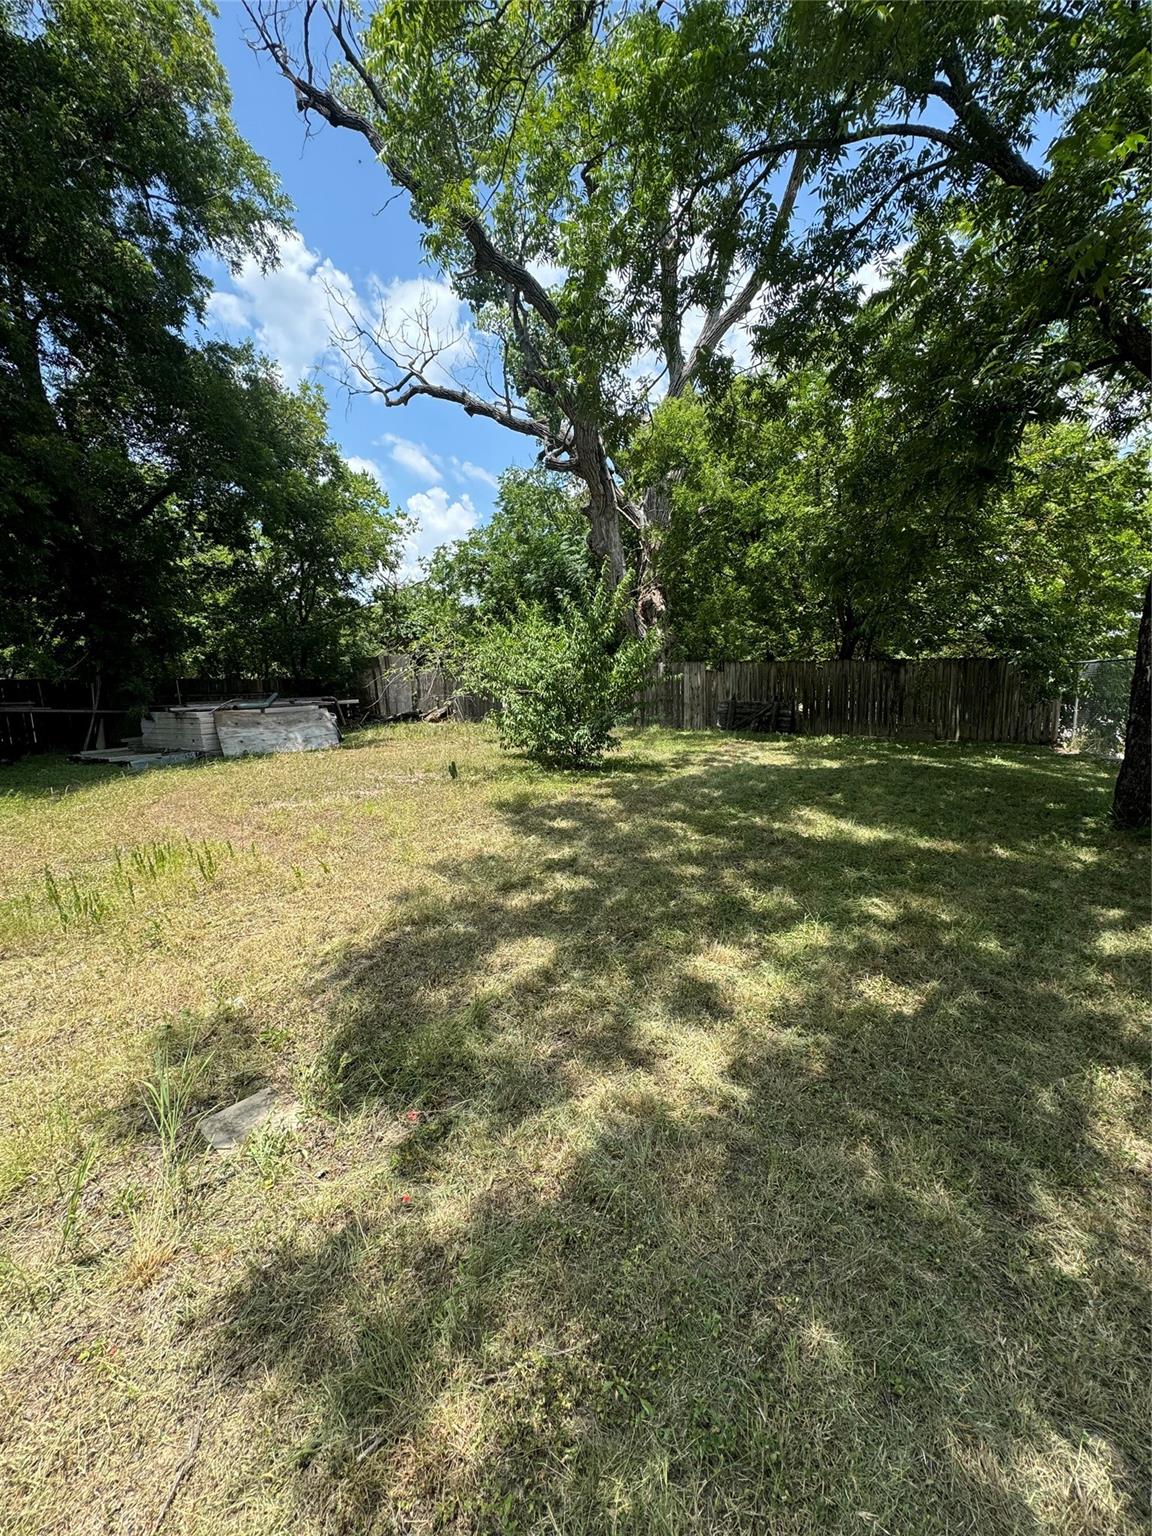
354, 237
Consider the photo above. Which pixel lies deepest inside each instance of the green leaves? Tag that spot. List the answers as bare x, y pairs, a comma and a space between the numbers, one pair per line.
532, 553
561, 685
119, 170
303, 589
874, 508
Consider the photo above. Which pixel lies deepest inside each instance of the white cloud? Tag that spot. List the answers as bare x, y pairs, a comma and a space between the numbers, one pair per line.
464, 470
412, 456
440, 518
292, 310
421, 460
547, 274
295, 310
228, 309
365, 467
877, 275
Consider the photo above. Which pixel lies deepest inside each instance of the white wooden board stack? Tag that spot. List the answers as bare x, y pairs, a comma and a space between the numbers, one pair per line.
183, 730
279, 728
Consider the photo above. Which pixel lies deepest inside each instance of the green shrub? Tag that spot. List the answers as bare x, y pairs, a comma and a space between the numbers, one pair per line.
561, 685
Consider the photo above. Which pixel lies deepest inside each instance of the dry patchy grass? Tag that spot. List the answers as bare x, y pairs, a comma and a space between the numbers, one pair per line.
746, 1138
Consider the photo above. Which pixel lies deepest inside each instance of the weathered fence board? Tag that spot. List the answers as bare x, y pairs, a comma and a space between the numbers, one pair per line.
395, 687
969, 699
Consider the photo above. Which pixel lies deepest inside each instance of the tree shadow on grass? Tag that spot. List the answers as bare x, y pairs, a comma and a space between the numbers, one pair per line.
767, 1176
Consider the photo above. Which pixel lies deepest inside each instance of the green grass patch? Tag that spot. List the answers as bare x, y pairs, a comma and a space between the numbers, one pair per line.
748, 1137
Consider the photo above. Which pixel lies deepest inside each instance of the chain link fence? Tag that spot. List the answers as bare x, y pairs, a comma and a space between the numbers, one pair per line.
1094, 716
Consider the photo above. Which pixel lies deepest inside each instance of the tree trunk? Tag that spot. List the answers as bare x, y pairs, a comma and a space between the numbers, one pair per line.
850, 631
608, 505
1132, 802
651, 602
603, 501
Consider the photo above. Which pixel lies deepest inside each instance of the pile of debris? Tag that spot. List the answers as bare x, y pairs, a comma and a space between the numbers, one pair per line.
181, 733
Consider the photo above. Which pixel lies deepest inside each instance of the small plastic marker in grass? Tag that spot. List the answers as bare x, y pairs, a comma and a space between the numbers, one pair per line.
405, 1199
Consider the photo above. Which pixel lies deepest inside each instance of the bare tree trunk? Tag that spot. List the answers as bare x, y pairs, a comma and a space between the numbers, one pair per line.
1132, 801
608, 508
851, 632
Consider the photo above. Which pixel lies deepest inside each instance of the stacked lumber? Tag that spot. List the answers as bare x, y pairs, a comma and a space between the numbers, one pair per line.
232, 728
181, 730
276, 728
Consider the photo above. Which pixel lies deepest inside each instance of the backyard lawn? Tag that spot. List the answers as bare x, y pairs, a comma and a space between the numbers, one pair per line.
745, 1138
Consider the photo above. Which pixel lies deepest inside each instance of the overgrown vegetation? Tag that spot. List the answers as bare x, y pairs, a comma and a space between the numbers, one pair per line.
562, 684
748, 1137
842, 512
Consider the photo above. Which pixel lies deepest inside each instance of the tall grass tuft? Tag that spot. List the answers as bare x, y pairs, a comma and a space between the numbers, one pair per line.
68, 901
167, 1097
69, 1227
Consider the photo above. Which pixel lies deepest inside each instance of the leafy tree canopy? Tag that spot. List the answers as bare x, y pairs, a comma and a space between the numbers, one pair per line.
615, 186
119, 169
532, 552
304, 589
807, 523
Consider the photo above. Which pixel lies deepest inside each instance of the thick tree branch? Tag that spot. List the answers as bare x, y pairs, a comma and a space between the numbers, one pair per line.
489, 258
160, 494
988, 143
670, 312
774, 148
414, 374
720, 322
472, 405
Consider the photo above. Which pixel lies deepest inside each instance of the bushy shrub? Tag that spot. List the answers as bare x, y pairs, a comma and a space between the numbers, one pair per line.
562, 684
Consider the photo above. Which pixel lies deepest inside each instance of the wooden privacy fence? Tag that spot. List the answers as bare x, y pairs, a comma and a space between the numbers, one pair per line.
963, 700
397, 688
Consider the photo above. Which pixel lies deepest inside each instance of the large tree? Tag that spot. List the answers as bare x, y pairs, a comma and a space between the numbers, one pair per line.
1130, 803
119, 169
655, 161
610, 184
1021, 127
521, 135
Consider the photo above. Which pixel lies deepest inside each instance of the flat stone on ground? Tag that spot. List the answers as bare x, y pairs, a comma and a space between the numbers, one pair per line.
227, 1128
